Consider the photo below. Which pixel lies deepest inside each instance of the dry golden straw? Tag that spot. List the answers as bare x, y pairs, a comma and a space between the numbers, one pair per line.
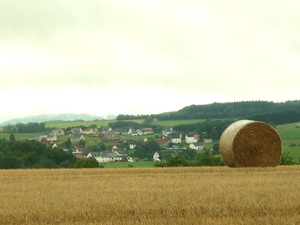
248, 143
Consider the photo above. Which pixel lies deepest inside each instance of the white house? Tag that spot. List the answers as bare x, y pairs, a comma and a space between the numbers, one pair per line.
105, 157
156, 157
196, 146
137, 133
58, 132
191, 138
128, 130
175, 138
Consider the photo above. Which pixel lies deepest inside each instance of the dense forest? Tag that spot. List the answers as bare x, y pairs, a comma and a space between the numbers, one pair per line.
276, 113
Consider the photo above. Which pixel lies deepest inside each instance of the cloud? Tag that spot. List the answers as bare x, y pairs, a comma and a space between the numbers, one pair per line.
195, 50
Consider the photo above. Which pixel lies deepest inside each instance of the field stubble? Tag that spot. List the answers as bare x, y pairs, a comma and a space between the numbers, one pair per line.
217, 195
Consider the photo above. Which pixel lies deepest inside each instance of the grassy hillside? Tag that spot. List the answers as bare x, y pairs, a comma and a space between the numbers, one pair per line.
99, 123
290, 134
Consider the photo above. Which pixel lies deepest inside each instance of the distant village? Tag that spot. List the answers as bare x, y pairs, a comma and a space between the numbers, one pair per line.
118, 138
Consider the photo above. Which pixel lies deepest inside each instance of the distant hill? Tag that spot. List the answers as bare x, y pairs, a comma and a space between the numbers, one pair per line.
282, 112
56, 117
245, 109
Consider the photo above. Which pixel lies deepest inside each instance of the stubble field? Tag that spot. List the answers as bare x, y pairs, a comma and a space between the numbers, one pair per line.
217, 195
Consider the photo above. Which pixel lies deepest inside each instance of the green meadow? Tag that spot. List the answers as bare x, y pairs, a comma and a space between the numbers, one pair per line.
104, 123
290, 136
66, 124
171, 123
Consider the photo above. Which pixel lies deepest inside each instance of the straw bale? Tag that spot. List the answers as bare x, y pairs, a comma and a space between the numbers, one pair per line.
248, 143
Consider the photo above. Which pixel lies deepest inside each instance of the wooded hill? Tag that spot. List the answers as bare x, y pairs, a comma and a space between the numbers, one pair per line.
277, 113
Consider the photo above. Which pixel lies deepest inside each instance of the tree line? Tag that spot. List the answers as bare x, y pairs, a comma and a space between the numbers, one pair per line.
265, 110
33, 154
31, 127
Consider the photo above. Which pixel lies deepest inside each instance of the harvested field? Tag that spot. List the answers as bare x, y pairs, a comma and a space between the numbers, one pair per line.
218, 195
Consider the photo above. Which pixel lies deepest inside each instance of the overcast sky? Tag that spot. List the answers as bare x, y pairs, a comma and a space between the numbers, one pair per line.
142, 57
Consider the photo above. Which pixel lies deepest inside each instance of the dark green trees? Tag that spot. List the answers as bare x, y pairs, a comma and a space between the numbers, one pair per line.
32, 154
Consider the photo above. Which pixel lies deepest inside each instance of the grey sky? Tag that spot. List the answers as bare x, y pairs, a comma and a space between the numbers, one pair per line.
140, 57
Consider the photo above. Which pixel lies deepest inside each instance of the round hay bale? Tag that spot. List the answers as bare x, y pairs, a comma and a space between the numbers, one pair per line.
248, 143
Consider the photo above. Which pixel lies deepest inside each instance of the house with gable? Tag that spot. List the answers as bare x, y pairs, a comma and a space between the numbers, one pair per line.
166, 131
37, 137
90, 131
147, 130
53, 145
105, 157
175, 137
76, 130
78, 137
111, 135
118, 151
197, 146
128, 130
192, 138
163, 142
137, 133
51, 137
103, 130
58, 132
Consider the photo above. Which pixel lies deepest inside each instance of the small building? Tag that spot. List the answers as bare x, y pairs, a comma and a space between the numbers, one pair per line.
163, 142
51, 137
137, 133
76, 130
105, 157
78, 137
90, 131
192, 138
111, 135
168, 130
103, 130
147, 130
156, 157
175, 137
36, 137
197, 146
58, 132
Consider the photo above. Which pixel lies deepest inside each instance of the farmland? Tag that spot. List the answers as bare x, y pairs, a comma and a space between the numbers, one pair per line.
217, 195
66, 124
289, 133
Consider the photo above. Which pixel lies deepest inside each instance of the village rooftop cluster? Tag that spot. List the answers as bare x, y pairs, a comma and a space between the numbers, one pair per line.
109, 136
